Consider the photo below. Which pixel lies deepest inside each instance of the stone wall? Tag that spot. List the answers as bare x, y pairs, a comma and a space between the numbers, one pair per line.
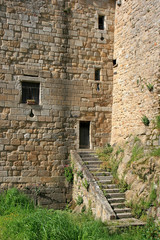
57, 44
137, 53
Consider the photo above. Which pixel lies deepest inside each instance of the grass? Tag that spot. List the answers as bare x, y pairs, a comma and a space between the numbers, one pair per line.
137, 153
158, 122
20, 220
156, 152
140, 208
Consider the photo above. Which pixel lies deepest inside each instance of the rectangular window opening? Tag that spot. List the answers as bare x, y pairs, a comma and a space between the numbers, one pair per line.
101, 22
30, 92
97, 74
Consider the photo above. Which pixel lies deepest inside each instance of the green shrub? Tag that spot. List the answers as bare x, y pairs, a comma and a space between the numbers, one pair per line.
80, 174
79, 200
150, 86
145, 121
123, 186
68, 172
108, 149
156, 152
140, 208
137, 153
151, 231
119, 150
85, 184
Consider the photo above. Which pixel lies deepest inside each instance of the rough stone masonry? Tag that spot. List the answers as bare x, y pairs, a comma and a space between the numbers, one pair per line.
56, 77
56, 81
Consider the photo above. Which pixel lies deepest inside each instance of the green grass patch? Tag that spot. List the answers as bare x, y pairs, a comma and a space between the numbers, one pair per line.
13, 201
139, 209
23, 221
158, 122
137, 153
156, 152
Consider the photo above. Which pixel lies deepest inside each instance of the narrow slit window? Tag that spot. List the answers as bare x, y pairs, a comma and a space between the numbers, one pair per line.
115, 63
97, 74
98, 87
101, 22
30, 92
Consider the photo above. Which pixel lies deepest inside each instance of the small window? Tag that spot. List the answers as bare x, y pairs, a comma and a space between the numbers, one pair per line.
30, 91
97, 74
115, 63
101, 22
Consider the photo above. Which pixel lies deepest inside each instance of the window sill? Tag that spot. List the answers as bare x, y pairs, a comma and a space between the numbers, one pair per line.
33, 106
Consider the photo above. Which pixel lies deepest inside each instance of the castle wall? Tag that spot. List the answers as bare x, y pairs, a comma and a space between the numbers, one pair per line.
137, 53
58, 45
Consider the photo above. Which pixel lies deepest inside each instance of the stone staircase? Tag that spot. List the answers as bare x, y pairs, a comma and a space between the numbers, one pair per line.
104, 179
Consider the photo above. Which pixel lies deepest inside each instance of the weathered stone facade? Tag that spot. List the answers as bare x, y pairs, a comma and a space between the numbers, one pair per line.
136, 49
57, 44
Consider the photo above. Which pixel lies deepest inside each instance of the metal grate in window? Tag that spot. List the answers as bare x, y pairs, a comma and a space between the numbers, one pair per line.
30, 91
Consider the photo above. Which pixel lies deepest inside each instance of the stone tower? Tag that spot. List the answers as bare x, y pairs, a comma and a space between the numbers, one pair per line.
136, 51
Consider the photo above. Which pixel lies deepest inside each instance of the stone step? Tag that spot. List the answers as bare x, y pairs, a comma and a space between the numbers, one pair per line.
118, 205
115, 195
122, 210
123, 215
110, 186
91, 153
110, 177
95, 169
112, 190
90, 158
106, 181
116, 200
123, 223
93, 162
101, 173
92, 166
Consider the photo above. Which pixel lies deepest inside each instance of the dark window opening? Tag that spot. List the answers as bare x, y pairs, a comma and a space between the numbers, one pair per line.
115, 63
30, 91
97, 74
98, 87
84, 129
101, 22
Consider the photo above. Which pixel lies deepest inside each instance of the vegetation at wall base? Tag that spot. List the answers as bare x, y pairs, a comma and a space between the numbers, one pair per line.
68, 172
20, 220
79, 200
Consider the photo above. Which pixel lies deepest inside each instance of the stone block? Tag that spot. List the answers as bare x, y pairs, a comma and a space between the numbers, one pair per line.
8, 33
12, 157
29, 148
1, 147
15, 142
3, 173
